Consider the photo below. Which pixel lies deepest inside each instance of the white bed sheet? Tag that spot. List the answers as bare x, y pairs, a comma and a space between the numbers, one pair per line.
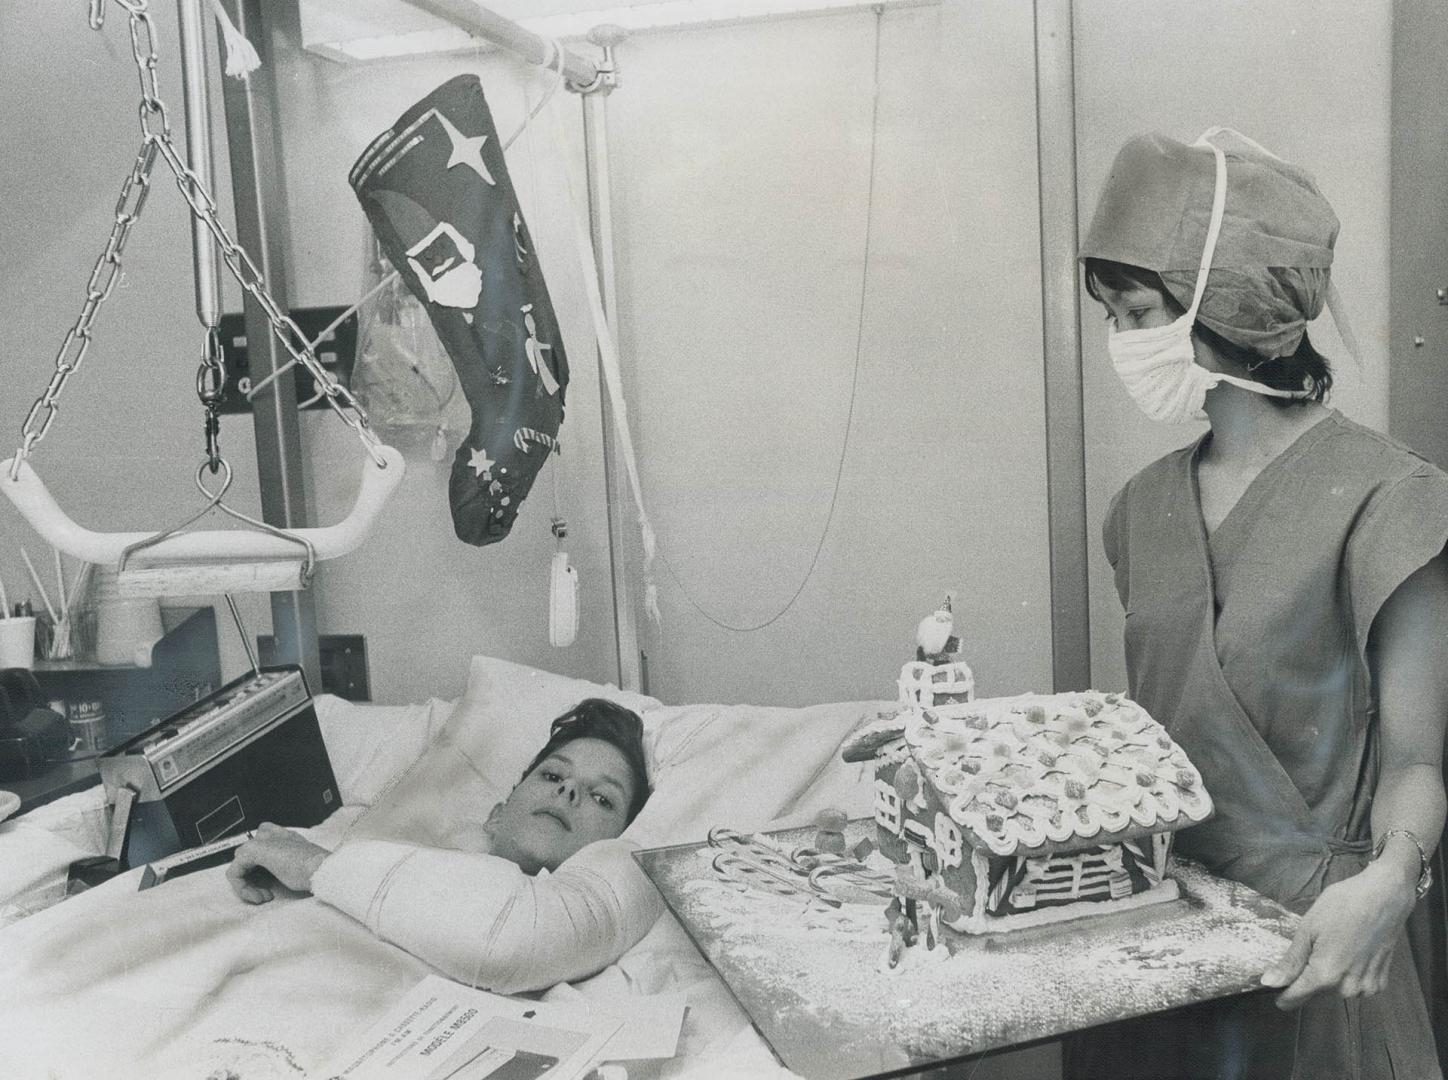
185, 980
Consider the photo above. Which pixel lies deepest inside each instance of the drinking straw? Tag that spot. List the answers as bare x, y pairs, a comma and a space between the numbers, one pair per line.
60, 579
82, 582
35, 579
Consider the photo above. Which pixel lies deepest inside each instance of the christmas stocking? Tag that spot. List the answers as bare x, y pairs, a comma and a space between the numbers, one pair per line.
437, 192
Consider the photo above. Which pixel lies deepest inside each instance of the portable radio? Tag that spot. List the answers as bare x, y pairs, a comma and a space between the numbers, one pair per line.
250, 752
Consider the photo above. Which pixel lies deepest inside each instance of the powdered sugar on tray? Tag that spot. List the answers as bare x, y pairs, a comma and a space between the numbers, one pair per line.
811, 974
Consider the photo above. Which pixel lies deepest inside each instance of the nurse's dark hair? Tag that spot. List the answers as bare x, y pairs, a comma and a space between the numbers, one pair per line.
1306, 366
599, 718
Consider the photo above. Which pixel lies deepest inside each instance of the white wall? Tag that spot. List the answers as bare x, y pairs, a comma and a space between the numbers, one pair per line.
739, 182
741, 159
1308, 80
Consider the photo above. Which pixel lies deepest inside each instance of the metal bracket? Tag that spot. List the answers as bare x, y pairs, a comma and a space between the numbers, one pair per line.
607, 37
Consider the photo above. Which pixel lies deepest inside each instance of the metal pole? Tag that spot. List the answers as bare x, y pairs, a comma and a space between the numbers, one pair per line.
480, 22
595, 141
1061, 331
594, 81
261, 228
197, 105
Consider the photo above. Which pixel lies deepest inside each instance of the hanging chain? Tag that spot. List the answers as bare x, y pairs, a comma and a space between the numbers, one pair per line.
283, 327
156, 129
143, 48
211, 388
106, 273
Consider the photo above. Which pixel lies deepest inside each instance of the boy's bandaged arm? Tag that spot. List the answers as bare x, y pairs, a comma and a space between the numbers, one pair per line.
479, 919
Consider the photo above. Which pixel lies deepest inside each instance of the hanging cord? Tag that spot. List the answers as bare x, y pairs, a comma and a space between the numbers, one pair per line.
241, 56
854, 384
388, 279
608, 357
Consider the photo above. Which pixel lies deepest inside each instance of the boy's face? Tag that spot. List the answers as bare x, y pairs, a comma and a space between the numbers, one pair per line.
578, 794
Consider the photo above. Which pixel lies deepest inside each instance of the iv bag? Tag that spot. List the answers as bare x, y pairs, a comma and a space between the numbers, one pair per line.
403, 376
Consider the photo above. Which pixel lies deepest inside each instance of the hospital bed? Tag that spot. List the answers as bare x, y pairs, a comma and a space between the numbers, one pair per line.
185, 980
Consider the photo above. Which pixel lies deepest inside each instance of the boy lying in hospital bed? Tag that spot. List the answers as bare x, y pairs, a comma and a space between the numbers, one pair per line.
185, 980
546, 891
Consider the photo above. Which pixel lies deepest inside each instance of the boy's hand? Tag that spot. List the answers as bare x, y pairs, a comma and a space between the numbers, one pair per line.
275, 856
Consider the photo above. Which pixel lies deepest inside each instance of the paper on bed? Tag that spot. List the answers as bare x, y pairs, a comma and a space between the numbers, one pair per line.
650, 1024
442, 1030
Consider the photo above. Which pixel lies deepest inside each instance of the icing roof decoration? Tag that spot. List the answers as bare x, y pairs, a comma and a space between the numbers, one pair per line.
882, 736
1051, 770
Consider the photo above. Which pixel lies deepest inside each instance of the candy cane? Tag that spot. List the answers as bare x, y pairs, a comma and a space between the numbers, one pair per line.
524, 435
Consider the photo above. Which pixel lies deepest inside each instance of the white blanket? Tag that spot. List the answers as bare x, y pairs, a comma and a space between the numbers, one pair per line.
186, 981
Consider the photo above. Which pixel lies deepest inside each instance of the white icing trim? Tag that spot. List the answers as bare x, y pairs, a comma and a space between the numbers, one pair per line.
994, 924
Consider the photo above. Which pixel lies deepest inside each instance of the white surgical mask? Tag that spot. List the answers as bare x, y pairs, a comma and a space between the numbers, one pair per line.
1157, 364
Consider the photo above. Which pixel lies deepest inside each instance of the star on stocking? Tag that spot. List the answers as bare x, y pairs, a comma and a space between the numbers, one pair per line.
481, 465
466, 149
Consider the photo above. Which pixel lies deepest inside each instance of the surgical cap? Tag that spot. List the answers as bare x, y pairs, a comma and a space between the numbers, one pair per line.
1270, 271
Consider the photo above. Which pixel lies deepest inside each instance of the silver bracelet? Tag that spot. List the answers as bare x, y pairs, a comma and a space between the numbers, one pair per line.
1425, 869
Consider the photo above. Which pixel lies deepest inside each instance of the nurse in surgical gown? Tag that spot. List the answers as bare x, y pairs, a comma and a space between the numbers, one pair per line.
1286, 600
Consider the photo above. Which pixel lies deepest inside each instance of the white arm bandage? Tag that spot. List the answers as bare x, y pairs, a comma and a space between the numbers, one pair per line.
479, 919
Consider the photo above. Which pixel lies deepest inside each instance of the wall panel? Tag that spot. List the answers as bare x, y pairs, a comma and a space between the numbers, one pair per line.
742, 180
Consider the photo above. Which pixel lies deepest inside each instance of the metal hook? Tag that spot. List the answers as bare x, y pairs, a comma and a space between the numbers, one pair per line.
213, 502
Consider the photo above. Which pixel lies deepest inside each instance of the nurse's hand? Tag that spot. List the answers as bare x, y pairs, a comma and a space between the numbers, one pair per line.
1345, 941
274, 856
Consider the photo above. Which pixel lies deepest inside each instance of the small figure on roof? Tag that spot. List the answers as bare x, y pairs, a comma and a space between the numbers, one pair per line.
935, 638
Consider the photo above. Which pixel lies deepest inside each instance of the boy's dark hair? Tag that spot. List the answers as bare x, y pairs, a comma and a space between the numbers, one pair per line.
1306, 366
599, 718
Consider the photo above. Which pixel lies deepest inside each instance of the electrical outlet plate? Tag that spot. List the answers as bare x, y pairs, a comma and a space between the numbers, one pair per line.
337, 353
344, 664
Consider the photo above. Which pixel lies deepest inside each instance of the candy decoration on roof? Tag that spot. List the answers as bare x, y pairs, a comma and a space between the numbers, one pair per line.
436, 189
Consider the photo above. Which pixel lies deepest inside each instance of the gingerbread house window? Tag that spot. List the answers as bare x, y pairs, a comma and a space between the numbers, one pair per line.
920, 835
887, 807
948, 842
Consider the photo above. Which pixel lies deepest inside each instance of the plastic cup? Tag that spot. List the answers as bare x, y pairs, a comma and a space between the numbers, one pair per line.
88, 724
17, 642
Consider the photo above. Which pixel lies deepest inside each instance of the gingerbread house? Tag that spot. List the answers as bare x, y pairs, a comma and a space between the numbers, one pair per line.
1028, 809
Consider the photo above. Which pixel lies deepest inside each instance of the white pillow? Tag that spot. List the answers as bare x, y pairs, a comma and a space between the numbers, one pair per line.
370, 746
744, 766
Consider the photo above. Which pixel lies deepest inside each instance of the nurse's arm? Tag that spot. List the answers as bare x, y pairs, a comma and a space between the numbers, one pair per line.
1346, 939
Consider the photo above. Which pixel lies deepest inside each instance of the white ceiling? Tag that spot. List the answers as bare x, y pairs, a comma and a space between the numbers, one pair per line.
365, 29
